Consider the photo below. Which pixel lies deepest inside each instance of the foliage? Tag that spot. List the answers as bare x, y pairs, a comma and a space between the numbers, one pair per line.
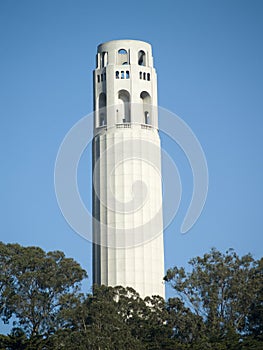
33, 284
222, 289
217, 305
115, 318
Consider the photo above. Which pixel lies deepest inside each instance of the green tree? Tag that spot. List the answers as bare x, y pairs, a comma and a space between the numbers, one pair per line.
114, 318
255, 316
95, 321
217, 305
16, 340
33, 285
188, 328
220, 288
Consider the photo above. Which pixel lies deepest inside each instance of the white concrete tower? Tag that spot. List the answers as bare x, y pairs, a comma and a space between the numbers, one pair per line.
127, 187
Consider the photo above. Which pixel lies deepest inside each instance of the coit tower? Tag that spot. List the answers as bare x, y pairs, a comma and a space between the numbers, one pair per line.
127, 186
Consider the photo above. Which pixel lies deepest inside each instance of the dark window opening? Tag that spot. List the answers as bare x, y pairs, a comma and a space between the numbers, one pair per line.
102, 119
117, 75
122, 57
141, 58
144, 76
127, 74
122, 74
124, 113
148, 76
98, 78
147, 117
102, 109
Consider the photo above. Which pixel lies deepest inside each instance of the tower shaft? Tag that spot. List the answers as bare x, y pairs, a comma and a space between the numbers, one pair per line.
127, 188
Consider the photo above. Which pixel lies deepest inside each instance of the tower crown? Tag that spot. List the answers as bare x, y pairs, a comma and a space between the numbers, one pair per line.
124, 52
125, 86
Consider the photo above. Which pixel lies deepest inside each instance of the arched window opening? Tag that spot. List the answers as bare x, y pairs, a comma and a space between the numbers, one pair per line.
144, 76
148, 76
140, 75
123, 111
122, 57
141, 58
122, 74
102, 109
101, 77
127, 74
122, 52
117, 75
104, 59
146, 107
98, 77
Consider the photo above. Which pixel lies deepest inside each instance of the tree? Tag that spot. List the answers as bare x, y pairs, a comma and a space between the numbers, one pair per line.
33, 284
217, 305
114, 318
220, 288
188, 328
16, 340
254, 324
96, 321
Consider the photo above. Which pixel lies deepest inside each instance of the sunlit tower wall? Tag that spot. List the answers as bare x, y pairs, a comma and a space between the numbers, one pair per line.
127, 187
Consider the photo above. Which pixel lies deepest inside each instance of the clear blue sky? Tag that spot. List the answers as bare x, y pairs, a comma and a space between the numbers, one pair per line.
208, 56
